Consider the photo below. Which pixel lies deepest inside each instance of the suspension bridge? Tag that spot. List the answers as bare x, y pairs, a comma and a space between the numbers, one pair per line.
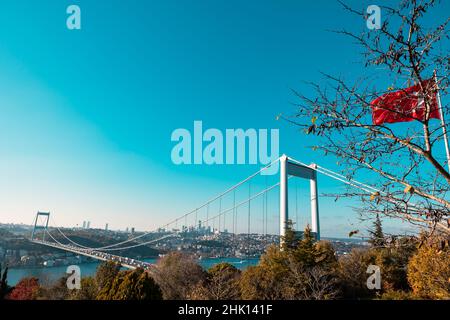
225, 213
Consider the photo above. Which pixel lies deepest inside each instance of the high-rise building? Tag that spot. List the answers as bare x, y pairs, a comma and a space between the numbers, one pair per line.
132, 230
88, 225
106, 227
84, 224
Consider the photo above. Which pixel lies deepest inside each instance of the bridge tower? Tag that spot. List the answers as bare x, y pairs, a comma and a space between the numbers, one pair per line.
288, 168
37, 226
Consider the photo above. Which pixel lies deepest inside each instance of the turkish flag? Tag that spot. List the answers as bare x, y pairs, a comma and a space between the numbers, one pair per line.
406, 104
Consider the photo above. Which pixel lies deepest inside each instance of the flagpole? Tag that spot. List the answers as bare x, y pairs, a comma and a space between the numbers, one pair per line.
444, 128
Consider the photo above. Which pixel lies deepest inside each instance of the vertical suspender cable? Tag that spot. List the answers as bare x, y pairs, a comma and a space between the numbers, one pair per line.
267, 208
234, 214
248, 222
296, 206
207, 219
224, 217
263, 214
220, 210
195, 221
278, 215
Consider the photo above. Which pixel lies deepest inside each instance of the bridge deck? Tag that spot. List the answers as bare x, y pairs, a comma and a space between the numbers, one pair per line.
99, 255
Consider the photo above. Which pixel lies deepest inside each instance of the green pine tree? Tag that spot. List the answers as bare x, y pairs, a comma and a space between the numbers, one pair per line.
104, 278
305, 251
147, 288
132, 285
289, 241
377, 238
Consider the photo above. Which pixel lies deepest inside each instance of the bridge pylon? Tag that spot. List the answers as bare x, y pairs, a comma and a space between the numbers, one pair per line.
43, 226
291, 168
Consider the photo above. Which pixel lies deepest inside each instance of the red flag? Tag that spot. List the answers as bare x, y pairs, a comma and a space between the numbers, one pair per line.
405, 105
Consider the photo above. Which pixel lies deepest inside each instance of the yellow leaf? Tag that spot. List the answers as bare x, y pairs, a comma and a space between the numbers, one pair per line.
374, 195
409, 189
313, 120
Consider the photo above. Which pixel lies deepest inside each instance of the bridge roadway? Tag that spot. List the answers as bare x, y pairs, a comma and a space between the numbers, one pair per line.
123, 261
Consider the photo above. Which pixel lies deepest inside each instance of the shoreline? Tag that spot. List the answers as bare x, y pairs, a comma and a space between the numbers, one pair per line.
89, 268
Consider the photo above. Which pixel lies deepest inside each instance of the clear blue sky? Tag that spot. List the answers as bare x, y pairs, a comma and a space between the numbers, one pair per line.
86, 116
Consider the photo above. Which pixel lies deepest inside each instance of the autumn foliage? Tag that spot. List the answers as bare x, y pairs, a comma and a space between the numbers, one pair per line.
26, 289
429, 271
